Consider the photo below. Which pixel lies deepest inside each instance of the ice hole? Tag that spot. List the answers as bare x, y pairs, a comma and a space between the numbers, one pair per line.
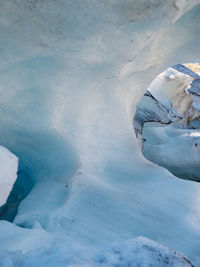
44, 157
167, 121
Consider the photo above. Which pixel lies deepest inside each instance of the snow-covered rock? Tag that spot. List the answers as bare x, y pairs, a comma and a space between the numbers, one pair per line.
8, 173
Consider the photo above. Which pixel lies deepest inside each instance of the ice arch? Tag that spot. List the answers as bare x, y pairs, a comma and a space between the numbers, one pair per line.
77, 69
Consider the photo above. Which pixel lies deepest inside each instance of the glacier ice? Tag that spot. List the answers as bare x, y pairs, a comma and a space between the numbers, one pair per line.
71, 76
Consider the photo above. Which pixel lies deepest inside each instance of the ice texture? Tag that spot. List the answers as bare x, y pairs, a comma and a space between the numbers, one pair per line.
71, 75
134, 252
8, 173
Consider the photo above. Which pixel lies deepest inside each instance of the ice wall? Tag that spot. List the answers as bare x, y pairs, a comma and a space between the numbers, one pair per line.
71, 75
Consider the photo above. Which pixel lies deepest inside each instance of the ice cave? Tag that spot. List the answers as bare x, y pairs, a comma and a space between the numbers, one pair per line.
99, 133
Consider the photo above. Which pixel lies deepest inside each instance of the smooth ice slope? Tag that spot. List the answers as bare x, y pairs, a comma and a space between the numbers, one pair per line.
8, 173
71, 75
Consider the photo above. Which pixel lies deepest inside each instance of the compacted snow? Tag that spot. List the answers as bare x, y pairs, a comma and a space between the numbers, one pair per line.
71, 75
134, 252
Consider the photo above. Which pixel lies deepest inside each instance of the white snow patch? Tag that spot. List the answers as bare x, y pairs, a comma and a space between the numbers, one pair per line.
8, 173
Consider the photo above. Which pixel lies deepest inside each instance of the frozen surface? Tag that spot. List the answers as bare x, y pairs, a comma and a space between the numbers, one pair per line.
8, 173
71, 75
174, 148
135, 252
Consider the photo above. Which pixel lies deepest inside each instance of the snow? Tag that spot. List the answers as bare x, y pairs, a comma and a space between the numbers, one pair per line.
8, 173
71, 76
134, 252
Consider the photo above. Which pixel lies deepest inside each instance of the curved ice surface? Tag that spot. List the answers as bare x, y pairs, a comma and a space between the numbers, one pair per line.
46, 161
71, 75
